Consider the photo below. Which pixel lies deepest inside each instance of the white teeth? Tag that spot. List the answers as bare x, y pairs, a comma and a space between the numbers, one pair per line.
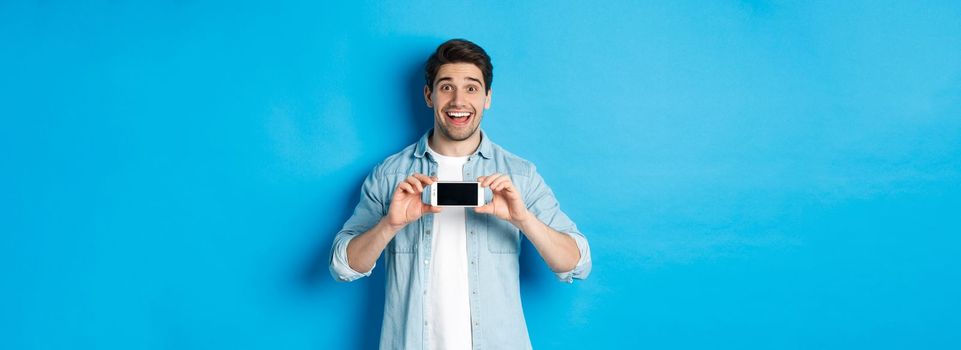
458, 114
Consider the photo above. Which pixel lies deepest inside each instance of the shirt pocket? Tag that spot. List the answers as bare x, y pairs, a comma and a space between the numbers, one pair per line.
405, 242
502, 236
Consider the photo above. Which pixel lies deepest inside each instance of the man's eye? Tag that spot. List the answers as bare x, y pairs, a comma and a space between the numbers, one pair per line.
472, 89
446, 88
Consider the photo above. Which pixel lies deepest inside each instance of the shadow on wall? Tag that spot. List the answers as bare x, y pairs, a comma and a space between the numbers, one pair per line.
315, 276
421, 116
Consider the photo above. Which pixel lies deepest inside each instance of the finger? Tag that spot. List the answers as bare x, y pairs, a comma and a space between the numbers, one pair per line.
432, 209
485, 209
483, 180
490, 179
404, 186
414, 182
499, 183
496, 182
510, 192
423, 179
494, 178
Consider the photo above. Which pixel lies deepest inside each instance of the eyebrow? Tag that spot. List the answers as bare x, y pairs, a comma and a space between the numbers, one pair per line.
452, 79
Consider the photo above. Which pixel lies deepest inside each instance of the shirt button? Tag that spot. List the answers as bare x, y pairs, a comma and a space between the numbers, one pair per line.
472, 262
426, 261
428, 231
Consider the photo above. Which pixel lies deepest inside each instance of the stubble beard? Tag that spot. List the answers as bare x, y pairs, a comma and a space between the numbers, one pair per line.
454, 136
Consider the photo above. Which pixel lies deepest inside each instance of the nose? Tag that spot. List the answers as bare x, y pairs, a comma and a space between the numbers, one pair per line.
458, 99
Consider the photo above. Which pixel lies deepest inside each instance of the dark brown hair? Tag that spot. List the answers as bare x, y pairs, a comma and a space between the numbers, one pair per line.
459, 51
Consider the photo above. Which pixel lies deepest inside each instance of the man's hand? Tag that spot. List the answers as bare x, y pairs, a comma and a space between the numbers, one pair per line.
507, 203
407, 204
559, 250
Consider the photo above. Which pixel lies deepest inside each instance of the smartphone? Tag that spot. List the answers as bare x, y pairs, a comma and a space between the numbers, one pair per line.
456, 194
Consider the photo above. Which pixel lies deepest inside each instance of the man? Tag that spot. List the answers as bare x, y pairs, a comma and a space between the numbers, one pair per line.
452, 273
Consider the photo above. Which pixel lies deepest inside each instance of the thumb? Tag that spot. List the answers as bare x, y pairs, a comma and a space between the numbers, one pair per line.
431, 209
484, 209
427, 208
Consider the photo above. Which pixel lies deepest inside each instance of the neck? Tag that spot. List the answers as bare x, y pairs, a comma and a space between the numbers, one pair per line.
451, 148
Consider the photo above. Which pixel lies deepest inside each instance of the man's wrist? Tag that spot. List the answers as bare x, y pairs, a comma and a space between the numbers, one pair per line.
388, 231
525, 222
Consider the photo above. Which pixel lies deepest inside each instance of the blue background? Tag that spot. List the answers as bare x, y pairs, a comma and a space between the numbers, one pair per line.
750, 174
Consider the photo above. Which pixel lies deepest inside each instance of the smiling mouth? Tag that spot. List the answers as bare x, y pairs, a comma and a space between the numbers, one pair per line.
459, 118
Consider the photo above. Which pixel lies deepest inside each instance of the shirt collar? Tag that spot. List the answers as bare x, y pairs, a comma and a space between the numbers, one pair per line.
485, 149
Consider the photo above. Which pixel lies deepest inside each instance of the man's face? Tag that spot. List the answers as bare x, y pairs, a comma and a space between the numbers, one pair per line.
459, 99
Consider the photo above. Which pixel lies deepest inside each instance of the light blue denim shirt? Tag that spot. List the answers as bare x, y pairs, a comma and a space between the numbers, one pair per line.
493, 246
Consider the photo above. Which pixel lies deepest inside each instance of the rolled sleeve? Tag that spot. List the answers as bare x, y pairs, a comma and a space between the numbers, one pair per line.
339, 267
583, 267
542, 203
369, 210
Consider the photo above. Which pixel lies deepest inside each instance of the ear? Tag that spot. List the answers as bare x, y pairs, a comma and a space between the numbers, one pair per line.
430, 104
487, 102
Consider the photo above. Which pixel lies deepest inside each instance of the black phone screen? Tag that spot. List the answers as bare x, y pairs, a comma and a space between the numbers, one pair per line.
457, 193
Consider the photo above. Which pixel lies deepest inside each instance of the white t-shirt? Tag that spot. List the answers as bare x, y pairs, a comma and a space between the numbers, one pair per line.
448, 303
